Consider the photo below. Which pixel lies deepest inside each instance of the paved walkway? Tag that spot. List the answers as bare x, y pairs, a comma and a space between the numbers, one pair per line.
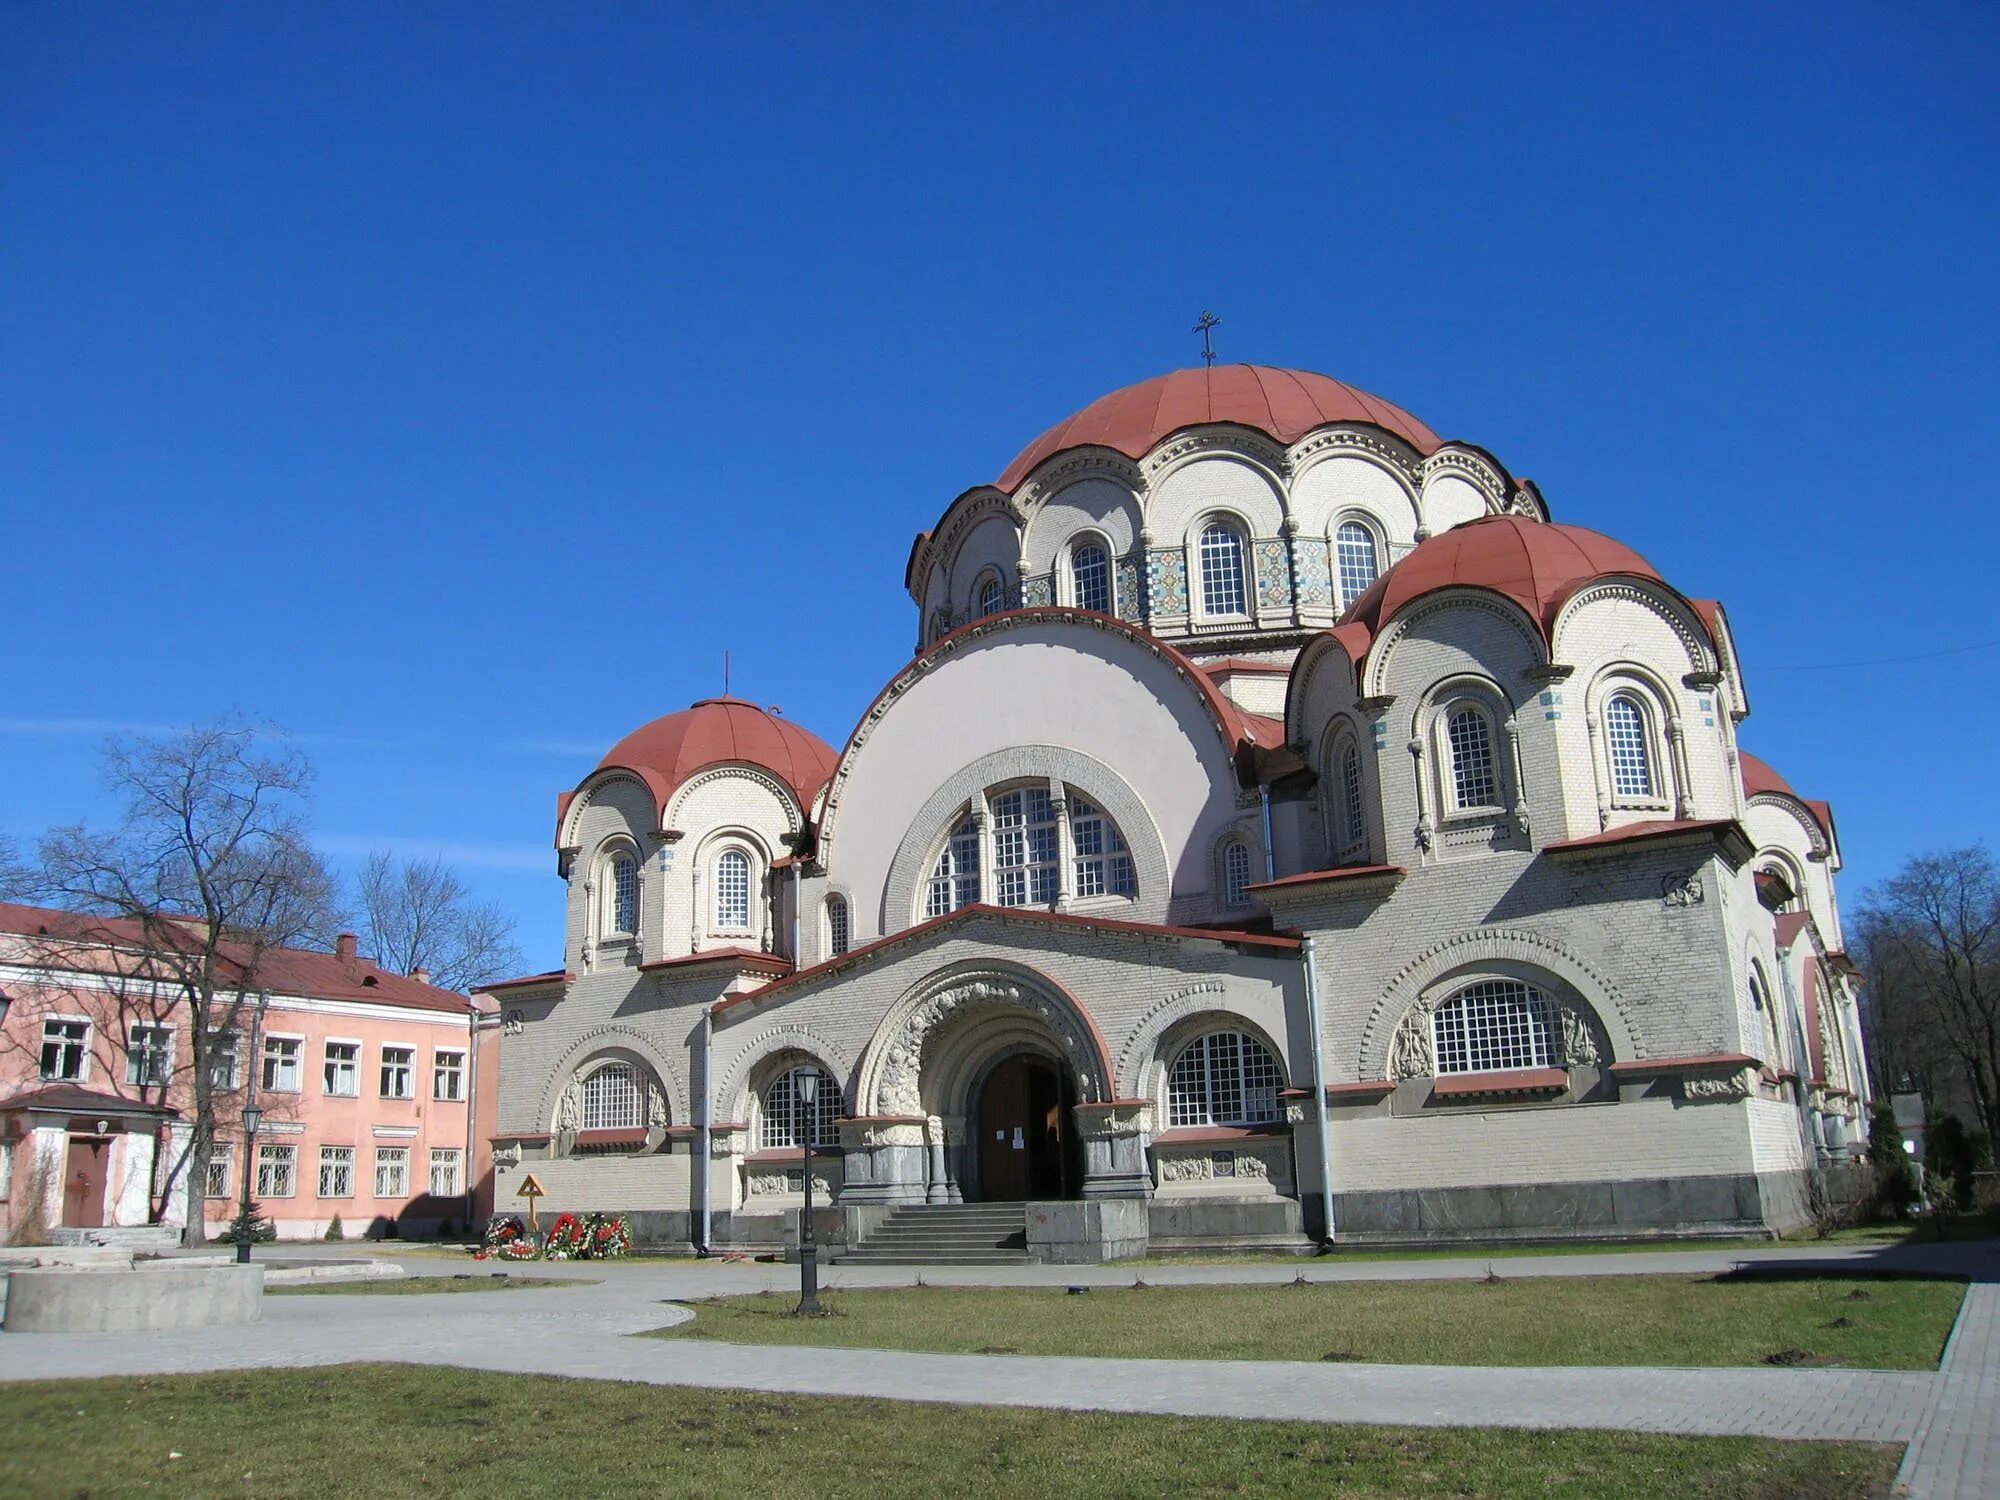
1951, 1418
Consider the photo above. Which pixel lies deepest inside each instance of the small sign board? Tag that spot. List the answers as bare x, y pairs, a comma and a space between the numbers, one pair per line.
531, 1189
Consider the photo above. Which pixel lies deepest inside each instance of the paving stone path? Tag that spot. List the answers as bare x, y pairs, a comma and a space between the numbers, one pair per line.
1950, 1419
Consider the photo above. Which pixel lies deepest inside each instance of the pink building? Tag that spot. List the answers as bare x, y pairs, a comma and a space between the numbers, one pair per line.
365, 1079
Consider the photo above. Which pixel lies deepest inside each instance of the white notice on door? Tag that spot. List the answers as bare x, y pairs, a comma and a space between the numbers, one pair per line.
1019, 1144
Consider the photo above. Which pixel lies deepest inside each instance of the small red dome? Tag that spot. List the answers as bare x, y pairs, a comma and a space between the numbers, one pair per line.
1282, 404
1537, 564
668, 751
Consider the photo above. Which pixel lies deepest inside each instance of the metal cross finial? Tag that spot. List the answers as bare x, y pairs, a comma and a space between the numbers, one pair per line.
1208, 320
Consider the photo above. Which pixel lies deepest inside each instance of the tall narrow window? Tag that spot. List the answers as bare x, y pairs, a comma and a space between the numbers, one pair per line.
1495, 1025
732, 891
1469, 738
1352, 828
789, 1121
1626, 738
1103, 863
1224, 1078
955, 877
1236, 873
624, 894
1024, 847
1090, 577
1222, 571
1354, 556
836, 925
991, 598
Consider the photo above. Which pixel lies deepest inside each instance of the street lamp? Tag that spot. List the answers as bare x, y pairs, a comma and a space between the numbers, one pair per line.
807, 1087
252, 1118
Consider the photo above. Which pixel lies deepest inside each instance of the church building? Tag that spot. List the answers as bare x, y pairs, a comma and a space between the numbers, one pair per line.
1284, 832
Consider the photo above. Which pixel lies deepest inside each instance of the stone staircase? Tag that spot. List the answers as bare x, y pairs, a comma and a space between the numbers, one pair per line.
946, 1234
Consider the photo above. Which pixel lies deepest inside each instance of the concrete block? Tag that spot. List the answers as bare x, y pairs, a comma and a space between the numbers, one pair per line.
161, 1298
1086, 1232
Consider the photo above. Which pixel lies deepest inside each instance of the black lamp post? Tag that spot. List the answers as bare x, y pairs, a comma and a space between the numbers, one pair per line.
252, 1118
807, 1082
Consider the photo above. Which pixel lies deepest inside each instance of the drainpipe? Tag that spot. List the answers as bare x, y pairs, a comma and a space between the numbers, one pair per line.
1270, 850
1807, 1135
1319, 1094
471, 1109
705, 1130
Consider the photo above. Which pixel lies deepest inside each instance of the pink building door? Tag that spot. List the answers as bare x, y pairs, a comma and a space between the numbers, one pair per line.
83, 1183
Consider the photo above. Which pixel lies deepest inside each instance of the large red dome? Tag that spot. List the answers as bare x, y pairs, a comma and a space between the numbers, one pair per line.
1537, 564
715, 731
1283, 404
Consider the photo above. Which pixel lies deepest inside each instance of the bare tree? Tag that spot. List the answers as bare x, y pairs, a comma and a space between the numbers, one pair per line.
1932, 945
207, 871
17, 881
417, 915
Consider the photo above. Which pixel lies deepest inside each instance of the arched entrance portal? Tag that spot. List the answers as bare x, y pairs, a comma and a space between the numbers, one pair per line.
1028, 1145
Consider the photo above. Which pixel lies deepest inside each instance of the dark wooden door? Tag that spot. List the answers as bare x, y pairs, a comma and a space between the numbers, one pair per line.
1005, 1135
83, 1182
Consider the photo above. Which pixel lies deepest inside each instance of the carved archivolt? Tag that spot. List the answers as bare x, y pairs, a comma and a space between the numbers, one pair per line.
897, 1085
569, 1107
605, 1039
1690, 631
732, 1088
1440, 603
737, 771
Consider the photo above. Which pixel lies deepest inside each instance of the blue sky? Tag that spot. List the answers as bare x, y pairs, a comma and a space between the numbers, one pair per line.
454, 384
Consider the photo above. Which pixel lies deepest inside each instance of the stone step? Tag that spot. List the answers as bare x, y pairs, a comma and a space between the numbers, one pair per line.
1015, 1241
866, 1257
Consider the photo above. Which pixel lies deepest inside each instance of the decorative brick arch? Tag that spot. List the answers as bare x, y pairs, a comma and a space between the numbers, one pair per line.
608, 1039
1142, 1060
732, 1093
1506, 945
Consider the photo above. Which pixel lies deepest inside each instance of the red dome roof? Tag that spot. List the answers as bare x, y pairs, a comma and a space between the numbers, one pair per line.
1537, 564
1283, 404
668, 751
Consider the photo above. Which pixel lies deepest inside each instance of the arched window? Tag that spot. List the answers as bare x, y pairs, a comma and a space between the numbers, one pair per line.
1090, 577
1495, 1025
1628, 742
1025, 852
623, 910
1355, 560
732, 891
1224, 1078
1780, 886
1468, 734
1222, 573
789, 1122
1767, 1014
1236, 873
940, 624
836, 925
955, 876
1352, 827
612, 1098
1103, 863
991, 596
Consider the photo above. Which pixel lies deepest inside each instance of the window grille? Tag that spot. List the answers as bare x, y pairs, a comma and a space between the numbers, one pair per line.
448, 1076
1352, 827
1354, 555
397, 1065
1222, 571
65, 1044
1224, 1078
732, 891
1236, 873
392, 1172
1495, 1025
788, 1119
336, 1171
215, 1181
1090, 575
1470, 739
1103, 862
281, 1063
836, 925
1625, 736
955, 877
277, 1171
624, 894
991, 598
444, 1173
342, 1071
611, 1099
1024, 847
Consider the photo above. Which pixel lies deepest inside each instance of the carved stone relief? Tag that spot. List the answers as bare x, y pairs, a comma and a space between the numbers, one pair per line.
897, 1091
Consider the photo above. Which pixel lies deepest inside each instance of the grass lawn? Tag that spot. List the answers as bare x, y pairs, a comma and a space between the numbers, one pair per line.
384, 1430
1590, 1320
415, 1285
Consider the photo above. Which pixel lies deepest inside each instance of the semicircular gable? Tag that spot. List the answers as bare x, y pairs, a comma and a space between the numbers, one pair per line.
1671, 609
1420, 622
